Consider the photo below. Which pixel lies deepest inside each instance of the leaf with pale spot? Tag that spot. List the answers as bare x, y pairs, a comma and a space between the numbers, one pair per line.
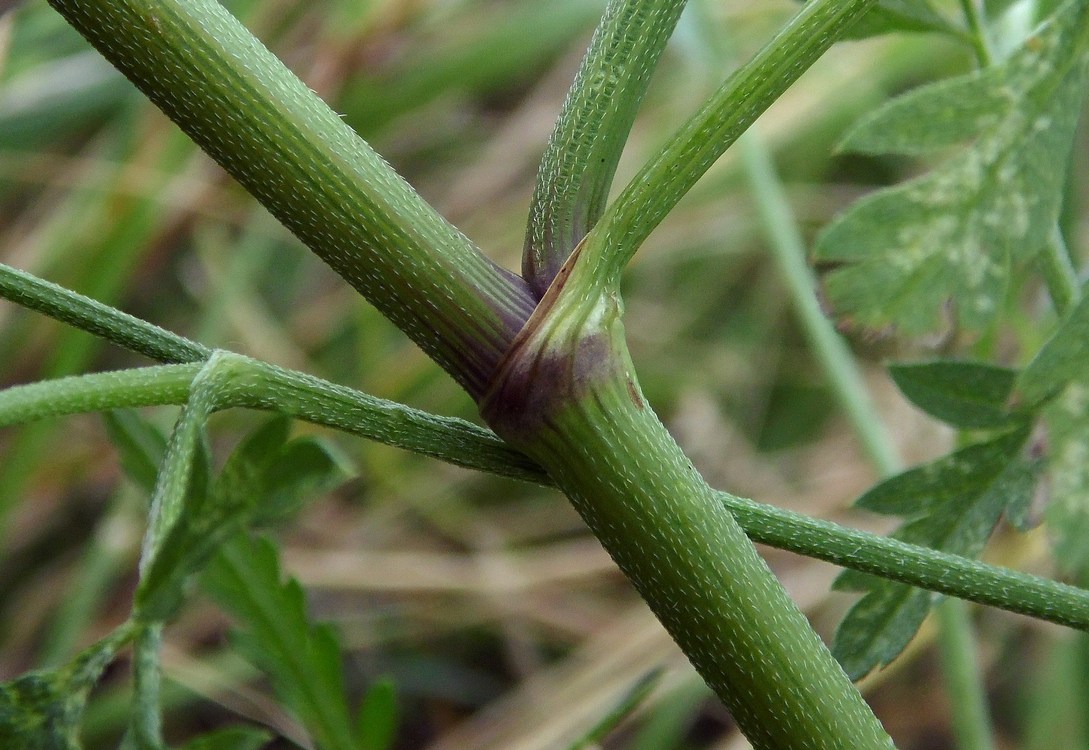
954, 233
952, 505
1067, 514
42, 710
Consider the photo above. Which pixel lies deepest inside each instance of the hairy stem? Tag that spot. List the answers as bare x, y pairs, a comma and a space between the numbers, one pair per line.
272, 133
315, 400
581, 157
95, 317
567, 395
252, 384
745, 95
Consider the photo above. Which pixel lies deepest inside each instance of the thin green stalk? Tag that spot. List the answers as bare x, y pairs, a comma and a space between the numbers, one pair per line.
1059, 273
662, 182
971, 719
261, 386
253, 384
924, 567
272, 133
831, 350
94, 317
145, 723
580, 160
978, 31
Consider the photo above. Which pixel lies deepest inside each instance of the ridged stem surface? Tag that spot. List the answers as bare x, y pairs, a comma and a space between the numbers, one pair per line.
240, 104
567, 395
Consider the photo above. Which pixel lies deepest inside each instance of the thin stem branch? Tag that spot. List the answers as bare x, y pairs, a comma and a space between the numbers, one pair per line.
978, 31
745, 95
95, 317
971, 718
924, 567
464, 444
318, 401
1059, 272
831, 350
257, 385
580, 160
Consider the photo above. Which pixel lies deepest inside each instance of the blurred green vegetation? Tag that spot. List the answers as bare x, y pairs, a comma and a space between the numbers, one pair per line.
487, 605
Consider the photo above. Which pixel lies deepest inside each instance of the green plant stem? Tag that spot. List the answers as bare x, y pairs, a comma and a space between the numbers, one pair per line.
954, 624
567, 395
831, 351
145, 722
275, 136
663, 181
978, 32
94, 317
918, 566
1059, 273
261, 386
253, 384
580, 160
971, 719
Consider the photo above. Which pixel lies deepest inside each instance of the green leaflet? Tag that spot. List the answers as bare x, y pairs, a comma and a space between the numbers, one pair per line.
968, 395
954, 233
264, 479
303, 660
951, 504
376, 719
929, 118
42, 710
1062, 358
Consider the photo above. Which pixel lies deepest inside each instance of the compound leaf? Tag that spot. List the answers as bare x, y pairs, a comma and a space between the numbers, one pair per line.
968, 395
954, 233
265, 478
952, 504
